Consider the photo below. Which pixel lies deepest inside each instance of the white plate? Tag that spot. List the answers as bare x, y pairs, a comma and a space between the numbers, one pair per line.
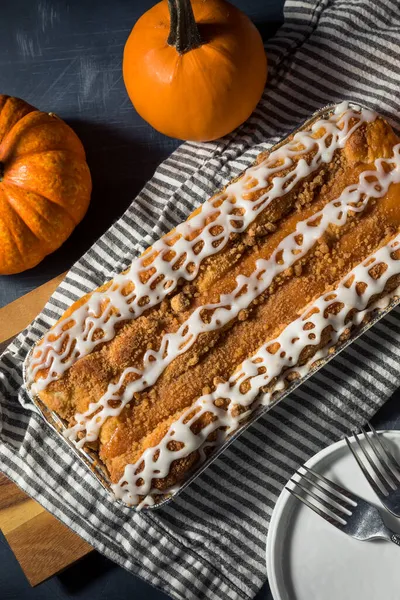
309, 559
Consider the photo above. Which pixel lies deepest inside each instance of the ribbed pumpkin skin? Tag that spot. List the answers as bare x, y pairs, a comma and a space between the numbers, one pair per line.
205, 93
45, 184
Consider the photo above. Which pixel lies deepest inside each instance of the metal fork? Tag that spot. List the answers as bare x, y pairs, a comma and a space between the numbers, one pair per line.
385, 477
340, 507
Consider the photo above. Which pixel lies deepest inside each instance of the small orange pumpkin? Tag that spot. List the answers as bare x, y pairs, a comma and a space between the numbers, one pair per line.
194, 71
45, 184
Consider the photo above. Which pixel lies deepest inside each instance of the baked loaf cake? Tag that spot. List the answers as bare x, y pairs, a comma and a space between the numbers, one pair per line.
158, 366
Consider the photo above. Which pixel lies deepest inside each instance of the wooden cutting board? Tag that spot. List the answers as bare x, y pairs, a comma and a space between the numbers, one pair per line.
42, 545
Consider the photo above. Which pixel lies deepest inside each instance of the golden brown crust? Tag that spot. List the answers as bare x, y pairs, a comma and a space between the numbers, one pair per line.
216, 355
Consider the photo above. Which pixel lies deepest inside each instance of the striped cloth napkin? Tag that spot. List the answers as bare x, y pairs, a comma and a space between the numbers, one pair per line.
210, 542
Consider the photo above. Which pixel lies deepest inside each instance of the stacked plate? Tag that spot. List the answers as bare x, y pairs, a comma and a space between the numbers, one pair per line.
308, 559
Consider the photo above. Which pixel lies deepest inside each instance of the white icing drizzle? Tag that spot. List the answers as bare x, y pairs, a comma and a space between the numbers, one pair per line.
372, 184
242, 389
179, 254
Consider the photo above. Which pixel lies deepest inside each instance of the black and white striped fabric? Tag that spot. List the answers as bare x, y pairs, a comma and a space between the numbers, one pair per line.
210, 542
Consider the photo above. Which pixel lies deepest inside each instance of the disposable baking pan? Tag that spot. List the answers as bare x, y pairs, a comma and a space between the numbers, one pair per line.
91, 459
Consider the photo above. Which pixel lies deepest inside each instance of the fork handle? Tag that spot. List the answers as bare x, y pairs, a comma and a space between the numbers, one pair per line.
395, 538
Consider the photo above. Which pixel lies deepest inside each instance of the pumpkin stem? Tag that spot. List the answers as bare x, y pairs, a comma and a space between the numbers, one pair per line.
1, 171
183, 34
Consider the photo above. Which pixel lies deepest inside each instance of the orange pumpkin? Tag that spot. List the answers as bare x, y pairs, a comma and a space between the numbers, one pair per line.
45, 184
197, 71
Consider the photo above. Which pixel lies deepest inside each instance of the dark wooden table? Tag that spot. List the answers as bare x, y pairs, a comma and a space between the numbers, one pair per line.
65, 57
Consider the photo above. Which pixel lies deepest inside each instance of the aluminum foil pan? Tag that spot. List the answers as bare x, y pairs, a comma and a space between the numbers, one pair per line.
91, 459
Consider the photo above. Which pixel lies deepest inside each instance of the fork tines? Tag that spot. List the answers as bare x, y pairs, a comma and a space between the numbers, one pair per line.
383, 473
330, 501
